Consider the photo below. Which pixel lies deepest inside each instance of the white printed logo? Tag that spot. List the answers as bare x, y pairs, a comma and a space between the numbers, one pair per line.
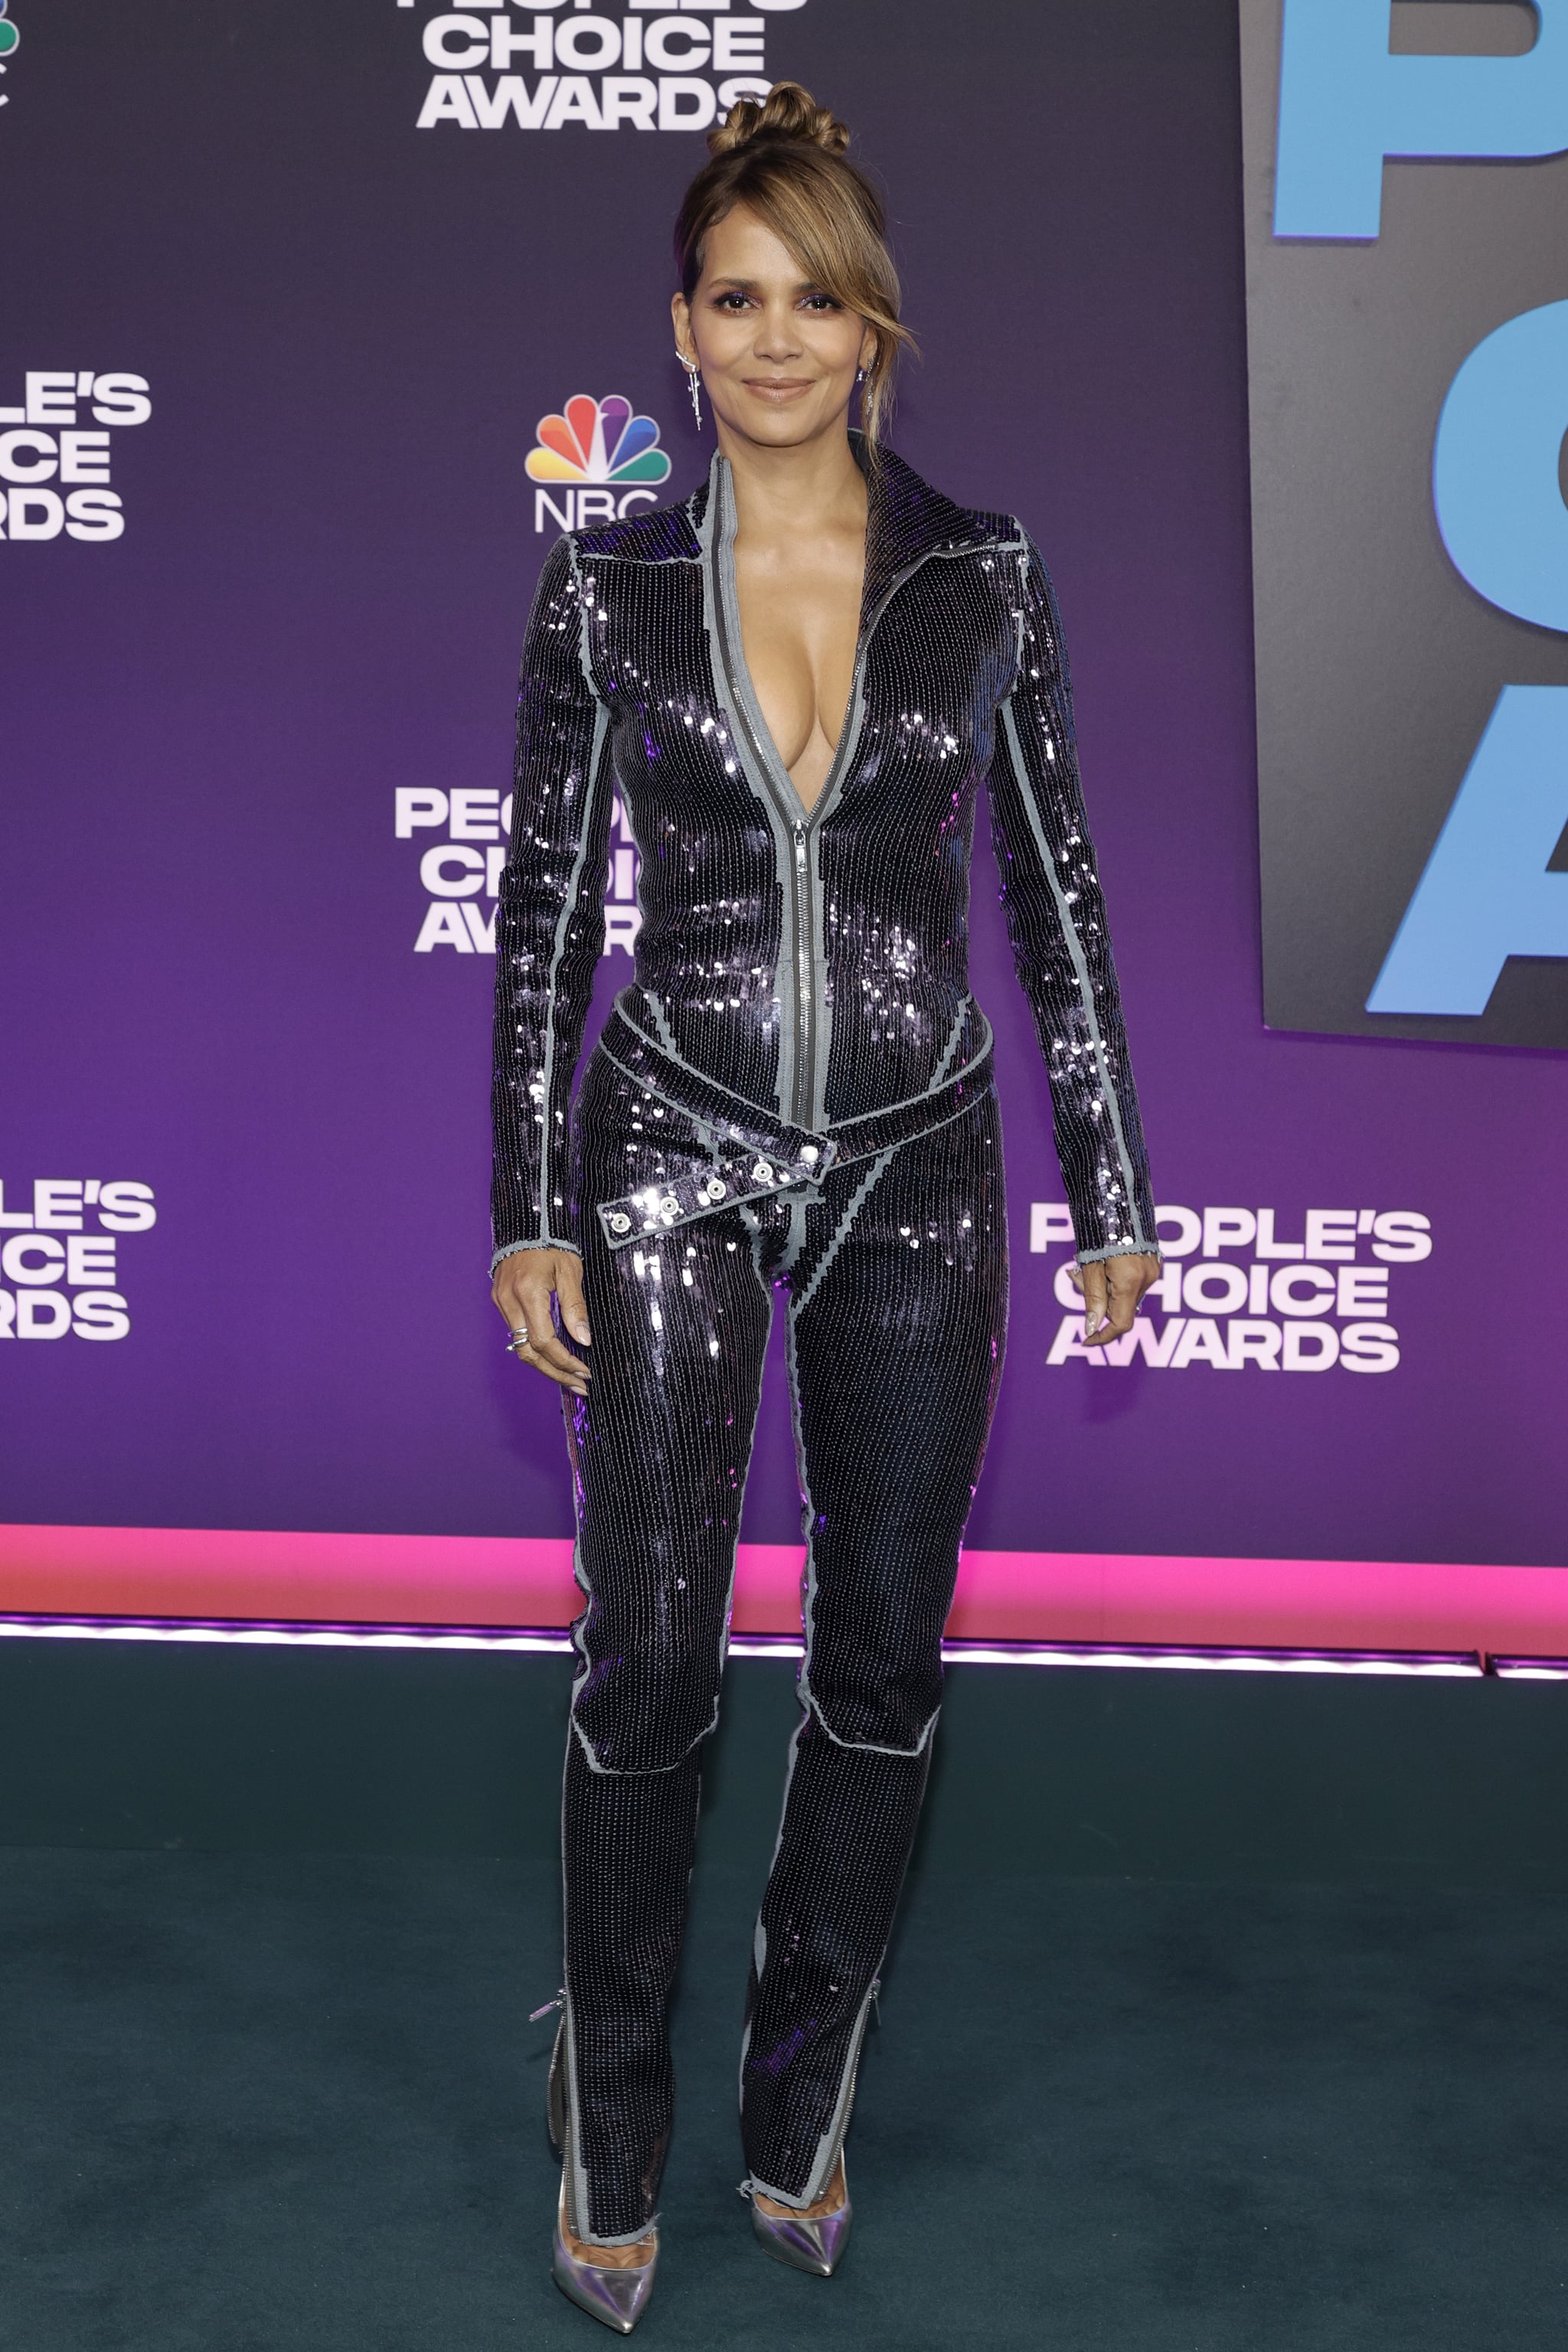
62, 1276
656, 66
1272, 1313
41, 444
460, 875
600, 461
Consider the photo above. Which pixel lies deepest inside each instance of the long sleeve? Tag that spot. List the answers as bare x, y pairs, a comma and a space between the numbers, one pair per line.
549, 921
1061, 944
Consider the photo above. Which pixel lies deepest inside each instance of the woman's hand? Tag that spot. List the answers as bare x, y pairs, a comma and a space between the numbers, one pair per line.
521, 1290
1111, 1288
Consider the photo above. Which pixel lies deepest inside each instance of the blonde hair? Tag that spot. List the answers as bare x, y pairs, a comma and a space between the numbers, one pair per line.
784, 161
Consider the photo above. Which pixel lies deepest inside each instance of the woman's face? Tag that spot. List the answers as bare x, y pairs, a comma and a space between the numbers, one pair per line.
778, 356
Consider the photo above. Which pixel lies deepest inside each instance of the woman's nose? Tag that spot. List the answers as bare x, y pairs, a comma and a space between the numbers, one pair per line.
778, 337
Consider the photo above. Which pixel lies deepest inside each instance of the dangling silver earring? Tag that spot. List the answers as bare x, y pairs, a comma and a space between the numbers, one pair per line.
859, 375
693, 385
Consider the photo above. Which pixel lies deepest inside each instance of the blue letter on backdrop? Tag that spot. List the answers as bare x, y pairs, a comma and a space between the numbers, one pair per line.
1494, 468
1345, 103
1486, 894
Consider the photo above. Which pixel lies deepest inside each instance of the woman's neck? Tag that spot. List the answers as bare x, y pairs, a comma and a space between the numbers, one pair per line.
814, 487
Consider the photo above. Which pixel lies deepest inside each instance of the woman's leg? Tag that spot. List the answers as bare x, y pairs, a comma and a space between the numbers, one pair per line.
898, 1318
659, 1450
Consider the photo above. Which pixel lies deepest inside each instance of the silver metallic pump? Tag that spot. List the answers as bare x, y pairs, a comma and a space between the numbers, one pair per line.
617, 2298
815, 2246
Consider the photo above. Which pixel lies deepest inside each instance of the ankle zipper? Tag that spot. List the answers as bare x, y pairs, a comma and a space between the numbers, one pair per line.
856, 2047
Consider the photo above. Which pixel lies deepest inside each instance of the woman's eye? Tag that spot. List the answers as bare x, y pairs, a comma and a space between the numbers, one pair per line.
730, 302
820, 303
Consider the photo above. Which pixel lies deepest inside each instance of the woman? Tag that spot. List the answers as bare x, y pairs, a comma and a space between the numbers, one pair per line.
798, 680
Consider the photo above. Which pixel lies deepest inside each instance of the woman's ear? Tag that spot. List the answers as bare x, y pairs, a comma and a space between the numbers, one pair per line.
680, 314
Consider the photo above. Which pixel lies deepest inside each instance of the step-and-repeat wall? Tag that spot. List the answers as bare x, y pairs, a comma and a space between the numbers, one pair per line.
321, 325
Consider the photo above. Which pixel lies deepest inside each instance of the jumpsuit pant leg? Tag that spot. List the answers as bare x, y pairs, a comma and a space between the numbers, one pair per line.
898, 1320
659, 1449
897, 1280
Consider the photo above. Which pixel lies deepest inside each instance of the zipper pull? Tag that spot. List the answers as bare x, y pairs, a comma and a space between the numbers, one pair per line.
559, 2002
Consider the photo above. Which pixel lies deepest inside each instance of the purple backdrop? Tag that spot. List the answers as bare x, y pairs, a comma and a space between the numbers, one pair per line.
349, 328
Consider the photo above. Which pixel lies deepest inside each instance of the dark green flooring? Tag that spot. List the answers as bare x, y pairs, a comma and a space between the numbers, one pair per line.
1235, 2006
255, 2103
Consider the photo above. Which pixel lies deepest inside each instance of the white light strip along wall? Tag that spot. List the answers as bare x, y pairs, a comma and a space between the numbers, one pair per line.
767, 1645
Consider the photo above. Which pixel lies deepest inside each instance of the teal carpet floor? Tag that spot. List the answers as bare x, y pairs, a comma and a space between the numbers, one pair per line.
292, 2103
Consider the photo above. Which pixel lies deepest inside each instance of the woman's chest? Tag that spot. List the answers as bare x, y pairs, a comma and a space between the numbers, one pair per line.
798, 629
918, 700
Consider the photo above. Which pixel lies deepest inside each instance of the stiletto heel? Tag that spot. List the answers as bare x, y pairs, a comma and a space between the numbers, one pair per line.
815, 2246
616, 2298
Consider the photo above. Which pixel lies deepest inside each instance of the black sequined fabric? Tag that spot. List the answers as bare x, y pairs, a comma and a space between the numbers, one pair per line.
814, 962
808, 969
893, 1278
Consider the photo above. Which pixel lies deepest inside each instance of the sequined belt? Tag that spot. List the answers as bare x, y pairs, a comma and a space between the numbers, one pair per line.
754, 1153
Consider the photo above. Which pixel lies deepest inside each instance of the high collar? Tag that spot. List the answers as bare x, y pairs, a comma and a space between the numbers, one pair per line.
906, 519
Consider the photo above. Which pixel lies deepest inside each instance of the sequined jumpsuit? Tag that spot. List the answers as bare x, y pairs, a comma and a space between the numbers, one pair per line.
792, 1102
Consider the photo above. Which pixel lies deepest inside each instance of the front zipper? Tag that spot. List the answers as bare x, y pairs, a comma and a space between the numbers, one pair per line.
794, 880
801, 925
805, 1027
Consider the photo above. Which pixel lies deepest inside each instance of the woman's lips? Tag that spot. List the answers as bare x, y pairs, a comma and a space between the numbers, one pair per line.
768, 387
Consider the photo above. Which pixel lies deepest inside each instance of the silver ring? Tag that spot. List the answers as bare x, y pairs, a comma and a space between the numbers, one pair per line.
520, 1331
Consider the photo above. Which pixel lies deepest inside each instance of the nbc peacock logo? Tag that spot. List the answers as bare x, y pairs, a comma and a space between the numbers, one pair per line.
600, 457
9, 37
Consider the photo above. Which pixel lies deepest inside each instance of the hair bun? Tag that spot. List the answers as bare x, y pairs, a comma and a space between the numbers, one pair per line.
788, 112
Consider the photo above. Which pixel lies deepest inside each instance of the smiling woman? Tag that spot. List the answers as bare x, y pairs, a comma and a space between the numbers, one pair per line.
784, 164
797, 682
788, 301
